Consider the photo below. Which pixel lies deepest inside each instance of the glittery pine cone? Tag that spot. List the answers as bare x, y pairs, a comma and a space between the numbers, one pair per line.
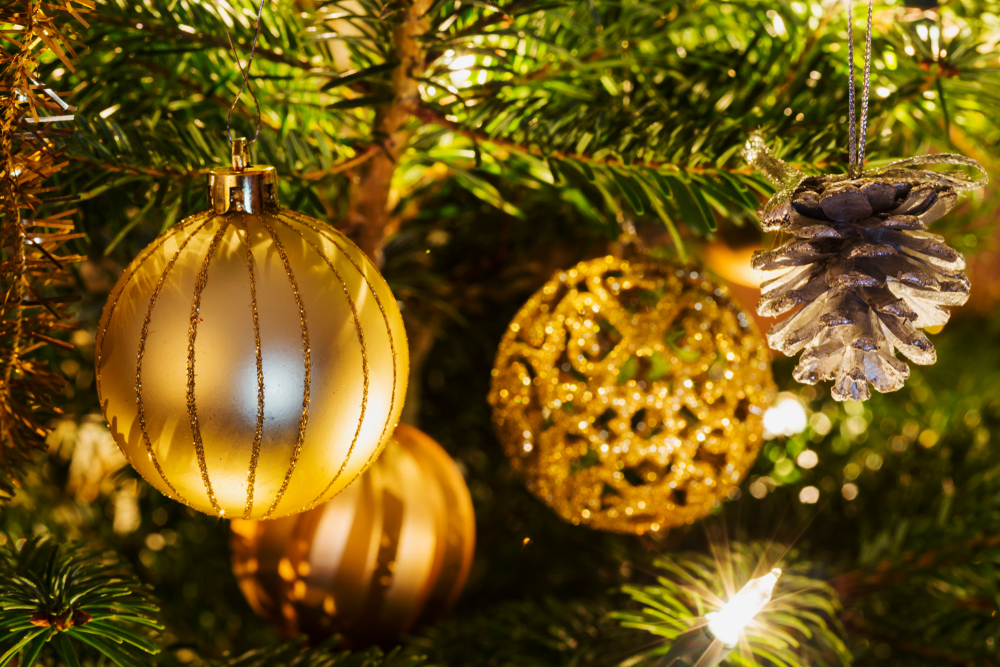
867, 275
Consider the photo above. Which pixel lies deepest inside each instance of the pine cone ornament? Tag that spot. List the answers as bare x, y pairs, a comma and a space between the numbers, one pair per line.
862, 270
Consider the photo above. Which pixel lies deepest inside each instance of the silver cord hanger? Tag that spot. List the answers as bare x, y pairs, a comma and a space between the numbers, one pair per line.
857, 143
245, 73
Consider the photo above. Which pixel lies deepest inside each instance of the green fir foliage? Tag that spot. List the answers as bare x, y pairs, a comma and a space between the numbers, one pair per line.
296, 654
68, 599
542, 126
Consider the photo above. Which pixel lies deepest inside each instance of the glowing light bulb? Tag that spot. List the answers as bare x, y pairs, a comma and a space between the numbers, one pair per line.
728, 623
787, 417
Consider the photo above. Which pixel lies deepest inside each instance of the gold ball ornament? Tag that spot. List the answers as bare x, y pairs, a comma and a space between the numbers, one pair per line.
251, 361
630, 394
390, 552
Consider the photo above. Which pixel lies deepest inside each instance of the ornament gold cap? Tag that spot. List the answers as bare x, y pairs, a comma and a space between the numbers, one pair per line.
244, 188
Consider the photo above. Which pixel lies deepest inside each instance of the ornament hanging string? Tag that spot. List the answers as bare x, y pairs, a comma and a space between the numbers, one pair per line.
245, 73
776, 214
857, 143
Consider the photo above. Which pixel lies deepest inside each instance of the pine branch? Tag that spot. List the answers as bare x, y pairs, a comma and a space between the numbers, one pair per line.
430, 115
622, 92
542, 632
200, 40
66, 597
296, 654
895, 570
628, 98
671, 192
855, 622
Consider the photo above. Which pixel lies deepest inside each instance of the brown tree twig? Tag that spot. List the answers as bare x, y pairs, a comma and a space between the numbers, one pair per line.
429, 115
368, 213
368, 217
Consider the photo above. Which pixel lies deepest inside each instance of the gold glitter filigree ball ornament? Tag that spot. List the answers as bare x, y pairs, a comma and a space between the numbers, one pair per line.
389, 553
251, 361
630, 394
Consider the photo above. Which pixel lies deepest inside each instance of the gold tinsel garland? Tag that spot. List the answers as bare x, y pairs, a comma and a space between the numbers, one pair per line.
30, 245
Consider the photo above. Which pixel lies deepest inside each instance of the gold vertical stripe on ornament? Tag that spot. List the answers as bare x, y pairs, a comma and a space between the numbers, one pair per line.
306, 361
136, 264
354, 571
364, 358
385, 559
141, 353
388, 330
201, 281
259, 430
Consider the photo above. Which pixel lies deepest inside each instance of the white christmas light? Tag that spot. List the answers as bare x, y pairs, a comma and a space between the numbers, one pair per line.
728, 623
709, 645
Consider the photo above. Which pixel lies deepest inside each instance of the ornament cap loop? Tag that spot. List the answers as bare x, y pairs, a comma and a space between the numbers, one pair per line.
240, 154
252, 189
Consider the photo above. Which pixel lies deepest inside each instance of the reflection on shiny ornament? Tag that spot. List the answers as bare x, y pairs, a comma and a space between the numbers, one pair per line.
390, 552
733, 264
630, 394
251, 361
786, 417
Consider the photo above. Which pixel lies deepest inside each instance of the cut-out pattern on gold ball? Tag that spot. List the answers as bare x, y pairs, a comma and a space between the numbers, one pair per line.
630, 395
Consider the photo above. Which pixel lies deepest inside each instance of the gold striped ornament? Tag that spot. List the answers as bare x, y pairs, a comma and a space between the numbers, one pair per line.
390, 552
251, 362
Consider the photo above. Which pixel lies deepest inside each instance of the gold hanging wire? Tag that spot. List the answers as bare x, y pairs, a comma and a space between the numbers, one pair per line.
245, 73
